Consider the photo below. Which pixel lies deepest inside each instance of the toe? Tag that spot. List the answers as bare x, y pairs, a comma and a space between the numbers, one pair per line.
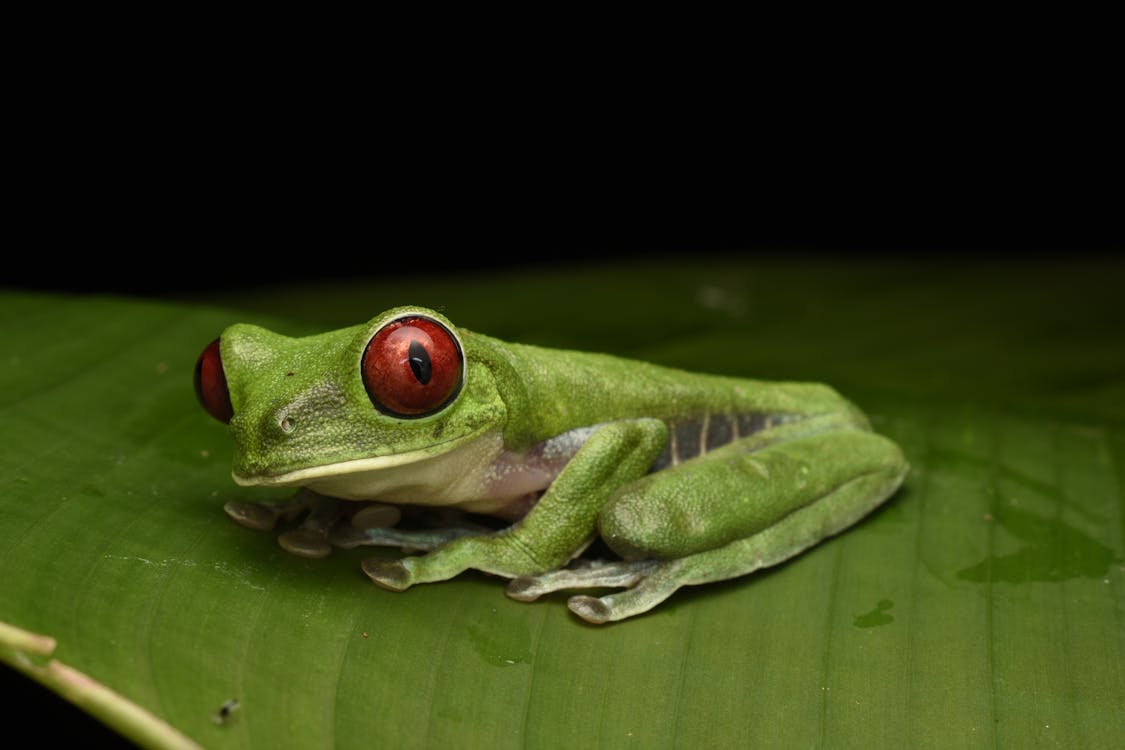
523, 589
387, 573
251, 515
305, 543
589, 608
376, 516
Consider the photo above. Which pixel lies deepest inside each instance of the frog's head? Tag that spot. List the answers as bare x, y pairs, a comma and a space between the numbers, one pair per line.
391, 391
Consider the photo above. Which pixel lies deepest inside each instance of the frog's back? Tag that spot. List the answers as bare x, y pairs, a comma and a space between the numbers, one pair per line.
554, 391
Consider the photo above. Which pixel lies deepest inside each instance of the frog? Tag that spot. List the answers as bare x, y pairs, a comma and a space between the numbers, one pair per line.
681, 478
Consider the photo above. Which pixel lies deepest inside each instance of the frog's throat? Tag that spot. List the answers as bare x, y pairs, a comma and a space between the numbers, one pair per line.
353, 466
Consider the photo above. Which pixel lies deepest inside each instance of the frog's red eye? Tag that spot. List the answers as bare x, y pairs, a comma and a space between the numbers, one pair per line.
412, 367
211, 384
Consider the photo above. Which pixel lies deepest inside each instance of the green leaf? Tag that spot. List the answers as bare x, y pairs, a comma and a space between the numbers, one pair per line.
984, 605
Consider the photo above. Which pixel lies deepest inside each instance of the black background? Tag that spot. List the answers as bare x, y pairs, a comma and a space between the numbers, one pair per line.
140, 193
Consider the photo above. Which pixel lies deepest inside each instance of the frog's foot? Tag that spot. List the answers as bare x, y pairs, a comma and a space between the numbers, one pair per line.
582, 574
632, 601
310, 539
399, 575
264, 516
458, 549
643, 587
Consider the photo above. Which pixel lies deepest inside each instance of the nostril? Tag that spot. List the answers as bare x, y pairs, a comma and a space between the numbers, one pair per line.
286, 424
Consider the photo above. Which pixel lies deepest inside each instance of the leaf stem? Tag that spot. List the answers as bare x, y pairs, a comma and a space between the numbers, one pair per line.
103, 703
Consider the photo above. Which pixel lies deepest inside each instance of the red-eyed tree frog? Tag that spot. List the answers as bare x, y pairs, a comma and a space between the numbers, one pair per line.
687, 478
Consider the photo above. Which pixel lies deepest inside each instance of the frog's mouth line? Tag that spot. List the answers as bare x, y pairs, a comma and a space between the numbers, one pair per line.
354, 466
351, 466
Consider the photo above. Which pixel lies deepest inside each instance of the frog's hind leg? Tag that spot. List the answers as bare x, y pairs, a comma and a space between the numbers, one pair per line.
788, 537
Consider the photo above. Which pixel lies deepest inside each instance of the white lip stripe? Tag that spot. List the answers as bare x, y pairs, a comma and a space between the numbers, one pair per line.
355, 466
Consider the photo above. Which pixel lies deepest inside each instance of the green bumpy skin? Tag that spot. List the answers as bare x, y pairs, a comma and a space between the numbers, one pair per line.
688, 478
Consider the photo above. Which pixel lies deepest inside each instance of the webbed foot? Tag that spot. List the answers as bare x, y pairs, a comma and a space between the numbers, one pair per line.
582, 574
313, 538
646, 583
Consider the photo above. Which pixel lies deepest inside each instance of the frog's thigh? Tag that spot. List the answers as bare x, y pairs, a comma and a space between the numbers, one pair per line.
820, 516
733, 493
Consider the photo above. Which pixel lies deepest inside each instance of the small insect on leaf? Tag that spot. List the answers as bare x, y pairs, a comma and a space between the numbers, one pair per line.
224, 713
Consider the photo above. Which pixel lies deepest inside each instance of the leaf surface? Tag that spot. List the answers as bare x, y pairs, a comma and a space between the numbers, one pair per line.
984, 605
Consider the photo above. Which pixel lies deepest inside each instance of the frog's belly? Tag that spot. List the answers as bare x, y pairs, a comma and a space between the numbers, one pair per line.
480, 475
478, 490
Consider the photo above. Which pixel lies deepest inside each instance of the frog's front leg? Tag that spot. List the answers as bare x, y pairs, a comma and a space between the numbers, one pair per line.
676, 525
560, 525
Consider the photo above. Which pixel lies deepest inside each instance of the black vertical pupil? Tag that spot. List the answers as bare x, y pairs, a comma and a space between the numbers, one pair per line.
420, 362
